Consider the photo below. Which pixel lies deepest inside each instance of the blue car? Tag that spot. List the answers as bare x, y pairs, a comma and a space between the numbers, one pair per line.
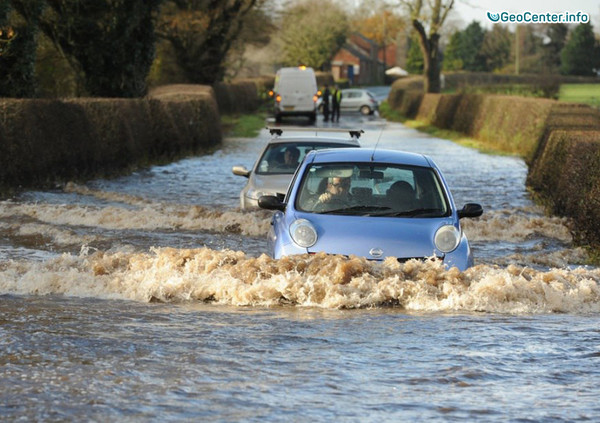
370, 203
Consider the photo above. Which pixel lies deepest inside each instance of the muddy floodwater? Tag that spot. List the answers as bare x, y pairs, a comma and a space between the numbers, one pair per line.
148, 297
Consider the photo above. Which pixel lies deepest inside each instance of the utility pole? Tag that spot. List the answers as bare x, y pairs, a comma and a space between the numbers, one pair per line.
384, 48
517, 49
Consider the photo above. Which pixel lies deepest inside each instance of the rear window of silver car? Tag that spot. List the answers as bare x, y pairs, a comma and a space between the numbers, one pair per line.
273, 160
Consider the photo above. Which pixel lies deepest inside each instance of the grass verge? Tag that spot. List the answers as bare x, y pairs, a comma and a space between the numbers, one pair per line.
243, 126
389, 113
456, 137
580, 93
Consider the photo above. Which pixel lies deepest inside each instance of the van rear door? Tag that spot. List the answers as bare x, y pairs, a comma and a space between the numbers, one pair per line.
297, 92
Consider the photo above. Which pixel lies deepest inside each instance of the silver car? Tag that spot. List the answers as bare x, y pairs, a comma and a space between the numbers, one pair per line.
355, 100
278, 161
358, 100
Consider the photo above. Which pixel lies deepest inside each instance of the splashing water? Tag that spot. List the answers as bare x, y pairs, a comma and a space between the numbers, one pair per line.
230, 277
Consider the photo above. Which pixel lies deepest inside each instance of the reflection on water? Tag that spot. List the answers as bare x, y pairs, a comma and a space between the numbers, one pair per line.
64, 358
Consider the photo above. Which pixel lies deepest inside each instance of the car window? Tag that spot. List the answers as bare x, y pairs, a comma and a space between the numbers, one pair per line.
284, 158
374, 190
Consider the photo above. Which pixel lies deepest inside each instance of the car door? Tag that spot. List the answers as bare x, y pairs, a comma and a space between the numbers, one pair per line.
350, 100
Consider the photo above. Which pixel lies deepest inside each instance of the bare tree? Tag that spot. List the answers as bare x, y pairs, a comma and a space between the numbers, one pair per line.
427, 20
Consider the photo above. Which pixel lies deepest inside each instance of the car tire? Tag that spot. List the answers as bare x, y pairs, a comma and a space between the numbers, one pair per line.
313, 117
365, 110
278, 118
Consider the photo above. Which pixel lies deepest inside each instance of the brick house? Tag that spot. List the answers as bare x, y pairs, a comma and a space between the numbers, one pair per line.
362, 61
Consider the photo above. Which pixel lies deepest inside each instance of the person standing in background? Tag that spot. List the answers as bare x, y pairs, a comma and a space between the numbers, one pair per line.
336, 99
325, 97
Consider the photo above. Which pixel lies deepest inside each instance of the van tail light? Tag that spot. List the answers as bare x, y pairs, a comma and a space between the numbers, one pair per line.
315, 98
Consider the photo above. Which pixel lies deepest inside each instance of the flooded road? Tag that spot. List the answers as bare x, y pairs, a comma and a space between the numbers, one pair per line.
148, 297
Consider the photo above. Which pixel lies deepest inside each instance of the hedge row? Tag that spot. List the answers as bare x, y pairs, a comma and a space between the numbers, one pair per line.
559, 141
45, 141
566, 174
511, 124
461, 80
239, 96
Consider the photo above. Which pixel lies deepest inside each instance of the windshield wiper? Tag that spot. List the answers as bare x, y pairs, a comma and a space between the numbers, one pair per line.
409, 213
358, 210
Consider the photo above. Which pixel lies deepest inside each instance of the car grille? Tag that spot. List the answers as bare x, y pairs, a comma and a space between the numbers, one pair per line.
405, 259
400, 259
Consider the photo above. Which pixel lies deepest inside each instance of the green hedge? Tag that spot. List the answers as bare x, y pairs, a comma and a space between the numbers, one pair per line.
407, 102
243, 96
46, 141
43, 142
467, 81
567, 176
512, 124
237, 97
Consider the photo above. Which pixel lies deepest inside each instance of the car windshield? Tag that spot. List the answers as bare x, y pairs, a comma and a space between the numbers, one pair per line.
284, 158
372, 190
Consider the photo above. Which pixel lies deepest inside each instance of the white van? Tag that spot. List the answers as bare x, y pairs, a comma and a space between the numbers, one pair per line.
295, 93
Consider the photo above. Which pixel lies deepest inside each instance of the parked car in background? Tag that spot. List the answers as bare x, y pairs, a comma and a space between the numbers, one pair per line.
370, 203
355, 100
358, 100
279, 159
295, 93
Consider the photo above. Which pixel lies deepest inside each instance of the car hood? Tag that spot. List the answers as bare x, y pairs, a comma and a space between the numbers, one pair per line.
271, 184
375, 237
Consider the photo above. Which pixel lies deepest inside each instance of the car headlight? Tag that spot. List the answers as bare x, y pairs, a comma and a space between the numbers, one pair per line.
303, 233
447, 238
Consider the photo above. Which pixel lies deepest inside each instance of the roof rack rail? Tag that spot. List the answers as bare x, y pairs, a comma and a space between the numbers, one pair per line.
354, 133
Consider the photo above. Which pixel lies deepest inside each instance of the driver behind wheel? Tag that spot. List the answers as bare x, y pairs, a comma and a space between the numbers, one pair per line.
337, 191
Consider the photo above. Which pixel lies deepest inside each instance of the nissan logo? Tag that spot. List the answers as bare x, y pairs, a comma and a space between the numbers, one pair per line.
376, 252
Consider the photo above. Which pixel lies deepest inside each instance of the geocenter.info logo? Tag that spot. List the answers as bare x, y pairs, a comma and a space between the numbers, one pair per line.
530, 17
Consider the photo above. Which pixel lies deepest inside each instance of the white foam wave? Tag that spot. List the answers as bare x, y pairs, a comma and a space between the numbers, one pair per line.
515, 225
550, 259
72, 187
45, 234
153, 216
230, 277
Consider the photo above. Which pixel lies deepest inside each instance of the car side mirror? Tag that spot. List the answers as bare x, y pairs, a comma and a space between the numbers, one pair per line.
470, 210
271, 202
241, 171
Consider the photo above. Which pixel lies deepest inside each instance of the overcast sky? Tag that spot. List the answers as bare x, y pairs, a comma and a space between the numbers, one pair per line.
469, 10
